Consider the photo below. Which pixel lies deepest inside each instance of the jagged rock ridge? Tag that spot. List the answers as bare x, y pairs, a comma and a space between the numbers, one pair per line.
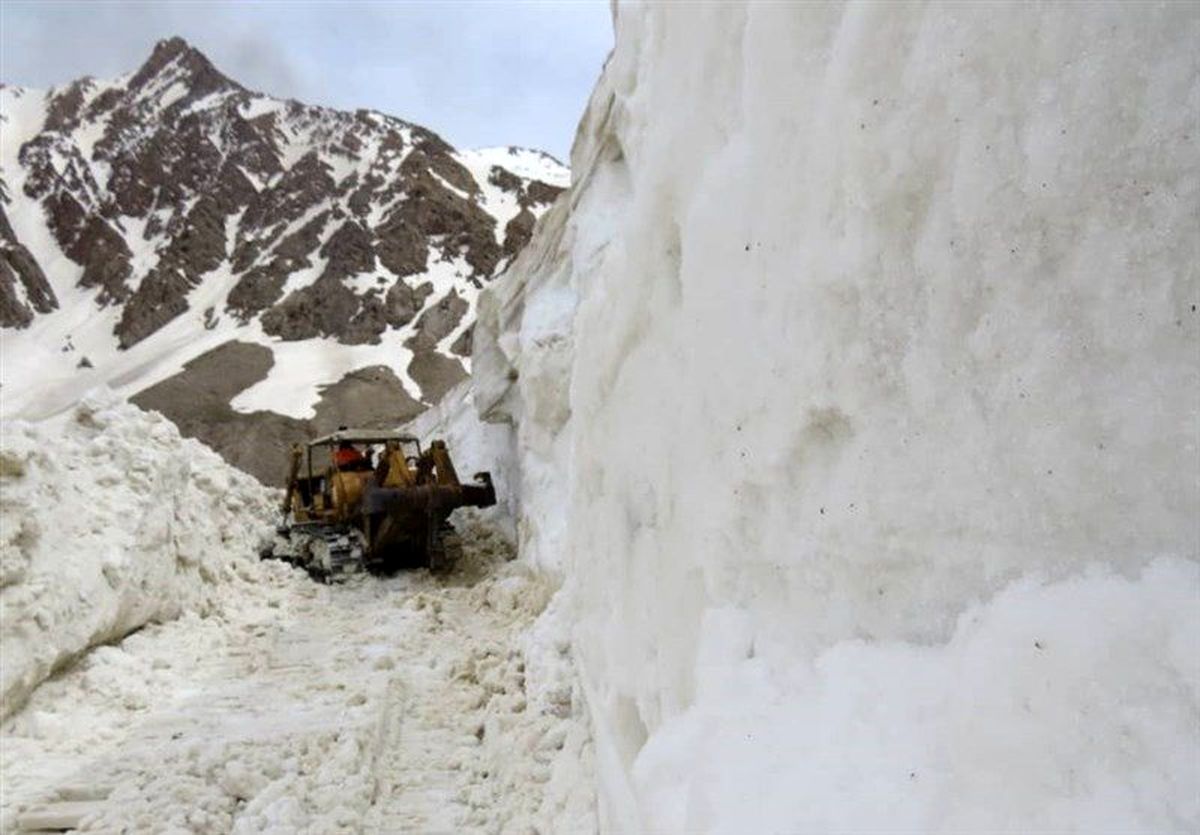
145, 218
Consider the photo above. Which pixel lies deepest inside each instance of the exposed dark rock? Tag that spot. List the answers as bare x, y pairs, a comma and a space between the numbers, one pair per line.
129, 190
402, 248
105, 258
539, 193
257, 290
262, 286
24, 289
160, 156
94, 244
312, 311
327, 307
53, 165
250, 140
160, 297
535, 193
349, 251
438, 321
7, 235
40, 297
369, 322
504, 179
304, 241
63, 112
363, 194
65, 217
301, 187
434, 153
404, 302
465, 342
232, 190
14, 313
371, 398
453, 172
435, 374
200, 246
196, 249
220, 182
434, 210
168, 167
104, 102
200, 75
246, 253
518, 231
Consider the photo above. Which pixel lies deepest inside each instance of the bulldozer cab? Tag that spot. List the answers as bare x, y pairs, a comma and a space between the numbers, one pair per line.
327, 483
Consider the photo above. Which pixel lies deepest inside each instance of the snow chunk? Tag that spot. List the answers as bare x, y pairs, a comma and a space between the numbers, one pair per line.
110, 520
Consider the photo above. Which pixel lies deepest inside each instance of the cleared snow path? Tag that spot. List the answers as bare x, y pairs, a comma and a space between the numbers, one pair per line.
398, 705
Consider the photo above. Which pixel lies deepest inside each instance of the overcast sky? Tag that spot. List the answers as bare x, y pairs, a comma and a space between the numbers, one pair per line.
478, 73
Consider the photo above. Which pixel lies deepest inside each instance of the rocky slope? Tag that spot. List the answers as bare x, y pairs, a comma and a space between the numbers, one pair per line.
151, 220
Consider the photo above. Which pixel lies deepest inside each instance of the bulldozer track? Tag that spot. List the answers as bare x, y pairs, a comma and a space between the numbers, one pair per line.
330, 553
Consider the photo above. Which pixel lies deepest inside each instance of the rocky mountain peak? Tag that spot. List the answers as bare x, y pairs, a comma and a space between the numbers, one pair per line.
169, 48
180, 62
150, 216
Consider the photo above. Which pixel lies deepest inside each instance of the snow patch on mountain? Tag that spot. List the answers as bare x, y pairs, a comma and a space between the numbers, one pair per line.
524, 162
302, 369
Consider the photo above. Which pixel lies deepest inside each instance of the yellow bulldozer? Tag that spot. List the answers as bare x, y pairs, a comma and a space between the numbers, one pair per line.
371, 500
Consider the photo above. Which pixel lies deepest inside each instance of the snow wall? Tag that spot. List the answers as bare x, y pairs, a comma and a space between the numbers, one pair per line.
110, 520
853, 391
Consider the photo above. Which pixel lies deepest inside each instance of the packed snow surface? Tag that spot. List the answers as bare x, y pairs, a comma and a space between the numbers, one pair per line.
853, 392
401, 705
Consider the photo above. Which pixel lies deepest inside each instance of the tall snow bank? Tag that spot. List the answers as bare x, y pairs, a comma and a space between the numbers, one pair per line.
860, 323
109, 520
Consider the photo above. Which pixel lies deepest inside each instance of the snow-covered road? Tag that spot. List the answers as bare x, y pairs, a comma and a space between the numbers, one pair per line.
411, 704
